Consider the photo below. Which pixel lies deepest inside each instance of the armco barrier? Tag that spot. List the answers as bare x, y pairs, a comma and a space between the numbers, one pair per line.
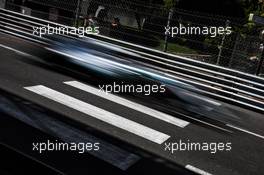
217, 82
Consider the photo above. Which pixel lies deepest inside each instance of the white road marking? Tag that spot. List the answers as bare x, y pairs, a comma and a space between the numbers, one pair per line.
100, 114
135, 106
197, 170
246, 131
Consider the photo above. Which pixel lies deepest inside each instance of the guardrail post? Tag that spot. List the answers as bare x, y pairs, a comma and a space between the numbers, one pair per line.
260, 63
222, 44
261, 48
76, 21
167, 34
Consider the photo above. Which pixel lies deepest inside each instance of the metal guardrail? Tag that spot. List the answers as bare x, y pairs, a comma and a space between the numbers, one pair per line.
217, 82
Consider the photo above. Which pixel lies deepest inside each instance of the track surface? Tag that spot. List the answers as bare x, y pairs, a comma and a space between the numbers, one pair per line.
25, 75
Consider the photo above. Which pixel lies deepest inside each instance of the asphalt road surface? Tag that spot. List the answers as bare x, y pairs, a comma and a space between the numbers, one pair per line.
148, 129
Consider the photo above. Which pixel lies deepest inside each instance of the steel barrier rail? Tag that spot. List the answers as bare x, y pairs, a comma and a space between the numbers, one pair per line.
236, 76
244, 77
240, 90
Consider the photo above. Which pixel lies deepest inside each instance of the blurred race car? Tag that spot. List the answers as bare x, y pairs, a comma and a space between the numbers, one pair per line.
110, 63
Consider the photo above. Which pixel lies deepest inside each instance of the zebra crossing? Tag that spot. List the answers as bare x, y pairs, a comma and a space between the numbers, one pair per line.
113, 119
107, 116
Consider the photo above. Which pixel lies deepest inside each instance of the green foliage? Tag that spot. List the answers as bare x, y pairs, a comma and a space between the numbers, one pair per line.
169, 3
252, 6
257, 8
